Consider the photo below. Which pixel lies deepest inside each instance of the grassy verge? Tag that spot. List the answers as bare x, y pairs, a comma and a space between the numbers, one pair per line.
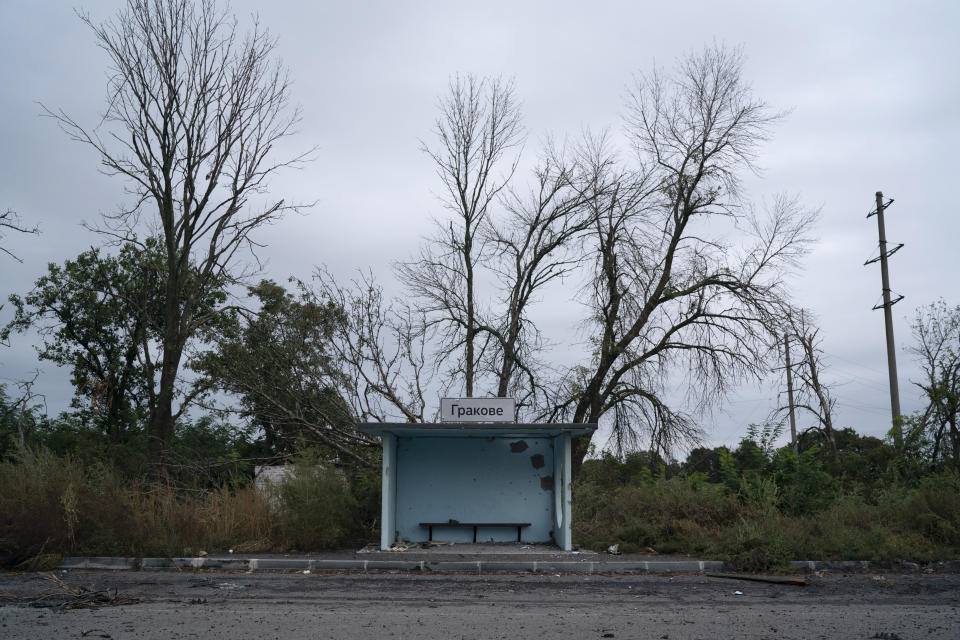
52, 506
751, 526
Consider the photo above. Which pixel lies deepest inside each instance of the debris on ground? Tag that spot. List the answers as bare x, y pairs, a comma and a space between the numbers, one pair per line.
794, 582
229, 586
80, 598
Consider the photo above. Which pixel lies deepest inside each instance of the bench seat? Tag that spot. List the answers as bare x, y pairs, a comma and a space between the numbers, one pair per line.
475, 526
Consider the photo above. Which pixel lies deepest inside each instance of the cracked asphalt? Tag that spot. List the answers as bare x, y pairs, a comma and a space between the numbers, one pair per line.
236, 605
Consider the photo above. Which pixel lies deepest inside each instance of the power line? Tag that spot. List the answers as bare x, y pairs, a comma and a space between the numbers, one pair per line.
862, 407
853, 379
854, 363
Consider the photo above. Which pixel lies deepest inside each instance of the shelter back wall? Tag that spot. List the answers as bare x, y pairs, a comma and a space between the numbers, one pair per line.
475, 480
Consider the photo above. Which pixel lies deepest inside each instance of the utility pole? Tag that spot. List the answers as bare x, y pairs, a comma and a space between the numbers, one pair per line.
888, 316
793, 420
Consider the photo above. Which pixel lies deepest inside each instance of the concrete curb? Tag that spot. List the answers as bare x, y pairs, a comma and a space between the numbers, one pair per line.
112, 564
478, 566
305, 564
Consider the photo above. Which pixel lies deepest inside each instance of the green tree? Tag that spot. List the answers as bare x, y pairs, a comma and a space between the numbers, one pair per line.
936, 332
94, 314
102, 316
706, 461
195, 115
280, 364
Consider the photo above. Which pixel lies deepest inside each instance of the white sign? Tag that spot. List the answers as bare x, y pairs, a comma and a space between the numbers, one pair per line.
477, 409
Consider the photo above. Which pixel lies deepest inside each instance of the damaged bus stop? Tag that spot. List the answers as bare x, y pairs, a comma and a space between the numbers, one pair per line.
476, 481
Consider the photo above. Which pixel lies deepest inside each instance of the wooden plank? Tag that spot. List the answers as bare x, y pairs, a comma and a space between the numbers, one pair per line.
794, 582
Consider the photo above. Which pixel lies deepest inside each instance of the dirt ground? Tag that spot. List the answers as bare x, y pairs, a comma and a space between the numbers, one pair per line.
412, 605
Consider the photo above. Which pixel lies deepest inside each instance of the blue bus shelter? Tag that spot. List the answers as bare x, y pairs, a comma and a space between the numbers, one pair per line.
480, 482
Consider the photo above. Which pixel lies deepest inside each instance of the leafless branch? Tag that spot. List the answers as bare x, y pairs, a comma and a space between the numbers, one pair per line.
10, 221
478, 128
673, 300
811, 392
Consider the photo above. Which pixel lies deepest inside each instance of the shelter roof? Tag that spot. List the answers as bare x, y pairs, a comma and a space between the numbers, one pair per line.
477, 429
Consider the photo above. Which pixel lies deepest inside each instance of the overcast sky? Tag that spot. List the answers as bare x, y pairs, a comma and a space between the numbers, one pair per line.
872, 89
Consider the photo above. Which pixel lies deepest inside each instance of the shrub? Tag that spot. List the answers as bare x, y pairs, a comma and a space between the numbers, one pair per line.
315, 508
803, 486
668, 515
760, 518
54, 505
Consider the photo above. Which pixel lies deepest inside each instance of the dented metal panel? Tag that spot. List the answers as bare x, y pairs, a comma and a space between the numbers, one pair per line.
483, 479
564, 451
467, 472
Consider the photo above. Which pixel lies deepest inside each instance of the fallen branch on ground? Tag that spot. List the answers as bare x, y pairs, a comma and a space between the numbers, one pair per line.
82, 597
796, 582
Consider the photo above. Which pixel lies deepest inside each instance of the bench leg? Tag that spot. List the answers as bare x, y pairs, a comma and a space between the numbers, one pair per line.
430, 534
474, 535
518, 534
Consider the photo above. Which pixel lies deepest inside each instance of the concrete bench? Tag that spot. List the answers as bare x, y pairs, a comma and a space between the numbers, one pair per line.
475, 525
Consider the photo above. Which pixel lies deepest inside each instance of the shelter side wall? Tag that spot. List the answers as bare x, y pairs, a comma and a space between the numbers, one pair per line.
475, 480
388, 513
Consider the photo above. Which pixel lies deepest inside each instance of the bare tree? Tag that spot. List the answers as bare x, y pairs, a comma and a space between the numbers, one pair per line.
382, 346
479, 126
24, 407
687, 277
476, 280
533, 246
811, 392
10, 221
684, 278
195, 114
387, 344
936, 333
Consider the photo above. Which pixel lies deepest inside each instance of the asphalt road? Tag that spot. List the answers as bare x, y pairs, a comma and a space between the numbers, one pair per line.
511, 606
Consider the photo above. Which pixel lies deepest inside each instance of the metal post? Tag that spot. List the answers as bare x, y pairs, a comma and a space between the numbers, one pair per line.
567, 490
888, 319
388, 501
793, 419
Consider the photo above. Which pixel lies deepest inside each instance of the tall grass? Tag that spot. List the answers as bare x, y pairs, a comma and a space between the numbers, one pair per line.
755, 528
53, 505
